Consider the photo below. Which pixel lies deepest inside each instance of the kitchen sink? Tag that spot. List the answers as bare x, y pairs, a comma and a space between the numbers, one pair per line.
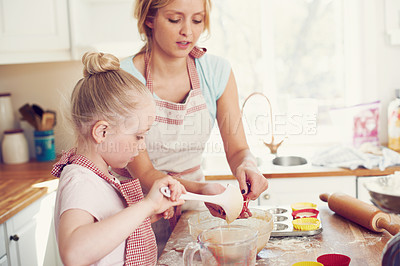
289, 160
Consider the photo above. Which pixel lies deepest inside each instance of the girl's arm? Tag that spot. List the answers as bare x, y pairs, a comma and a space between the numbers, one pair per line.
83, 241
242, 163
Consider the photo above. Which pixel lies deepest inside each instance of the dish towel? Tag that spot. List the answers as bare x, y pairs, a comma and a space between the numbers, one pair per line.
352, 158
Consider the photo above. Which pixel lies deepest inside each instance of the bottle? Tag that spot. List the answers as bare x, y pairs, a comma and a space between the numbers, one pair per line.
14, 147
394, 123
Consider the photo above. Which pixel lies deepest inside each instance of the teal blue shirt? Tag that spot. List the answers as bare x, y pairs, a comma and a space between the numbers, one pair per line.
213, 73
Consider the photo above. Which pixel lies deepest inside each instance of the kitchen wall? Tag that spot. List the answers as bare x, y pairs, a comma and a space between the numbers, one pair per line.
46, 84
49, 84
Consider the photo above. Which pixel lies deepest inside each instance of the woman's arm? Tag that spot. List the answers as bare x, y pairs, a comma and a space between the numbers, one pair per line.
142, 168
242, 163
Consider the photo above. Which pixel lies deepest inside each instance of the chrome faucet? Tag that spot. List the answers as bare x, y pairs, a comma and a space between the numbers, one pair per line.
272, 146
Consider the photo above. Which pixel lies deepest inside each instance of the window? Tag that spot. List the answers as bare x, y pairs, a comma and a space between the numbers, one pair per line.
302, 54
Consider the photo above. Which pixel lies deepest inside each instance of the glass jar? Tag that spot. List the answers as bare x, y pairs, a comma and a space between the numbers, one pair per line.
14, 147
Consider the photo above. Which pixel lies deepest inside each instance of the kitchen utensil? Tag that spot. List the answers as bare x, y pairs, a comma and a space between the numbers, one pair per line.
261, 220
38, 110
48, 120
231, 200
55, 116
334, 259
30, 116
360, 212
224, 245
385, 192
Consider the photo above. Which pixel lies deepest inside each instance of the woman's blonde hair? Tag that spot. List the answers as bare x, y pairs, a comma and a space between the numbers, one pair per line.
145, 10
106, 92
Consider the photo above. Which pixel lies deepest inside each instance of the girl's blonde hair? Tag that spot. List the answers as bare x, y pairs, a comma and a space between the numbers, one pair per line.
145, 10
105, 93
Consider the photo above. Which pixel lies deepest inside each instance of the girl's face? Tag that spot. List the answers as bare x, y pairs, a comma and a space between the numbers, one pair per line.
177, 27
123, 143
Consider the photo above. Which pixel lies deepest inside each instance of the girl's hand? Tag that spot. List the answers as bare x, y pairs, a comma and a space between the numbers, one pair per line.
252, 183
162, 204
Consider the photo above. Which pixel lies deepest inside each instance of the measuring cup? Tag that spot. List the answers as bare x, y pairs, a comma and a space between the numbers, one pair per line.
224, 245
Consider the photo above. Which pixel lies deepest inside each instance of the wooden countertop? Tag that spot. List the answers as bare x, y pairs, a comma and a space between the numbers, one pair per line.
338, 236
22, 184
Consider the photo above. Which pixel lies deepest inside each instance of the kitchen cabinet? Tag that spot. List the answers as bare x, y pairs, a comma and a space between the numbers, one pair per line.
103, 25
3, 252
63, 30
34, 31
285, 191
30, 236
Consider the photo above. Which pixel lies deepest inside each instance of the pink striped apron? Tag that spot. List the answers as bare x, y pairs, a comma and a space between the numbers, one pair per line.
176, 140
141, 247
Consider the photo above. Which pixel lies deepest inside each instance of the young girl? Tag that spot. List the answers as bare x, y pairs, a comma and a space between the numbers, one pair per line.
100, 220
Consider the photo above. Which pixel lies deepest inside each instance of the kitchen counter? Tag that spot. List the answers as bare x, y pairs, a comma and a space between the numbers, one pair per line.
23, 184
304, 171
338, 236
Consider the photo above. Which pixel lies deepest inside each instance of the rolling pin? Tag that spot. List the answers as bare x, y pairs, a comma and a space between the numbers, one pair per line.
360, 212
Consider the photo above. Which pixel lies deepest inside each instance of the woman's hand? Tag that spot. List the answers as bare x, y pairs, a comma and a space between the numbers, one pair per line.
168, 214
162, 204
252, 183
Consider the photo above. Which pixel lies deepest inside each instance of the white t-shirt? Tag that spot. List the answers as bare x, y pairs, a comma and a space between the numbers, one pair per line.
80, 188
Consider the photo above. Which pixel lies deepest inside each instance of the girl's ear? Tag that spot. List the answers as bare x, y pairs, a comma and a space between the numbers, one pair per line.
99, 131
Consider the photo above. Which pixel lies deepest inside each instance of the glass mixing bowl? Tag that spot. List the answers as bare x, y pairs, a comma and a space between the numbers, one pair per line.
261, 220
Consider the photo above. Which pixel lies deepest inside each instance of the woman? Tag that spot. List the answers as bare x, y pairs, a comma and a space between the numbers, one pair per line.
191, 90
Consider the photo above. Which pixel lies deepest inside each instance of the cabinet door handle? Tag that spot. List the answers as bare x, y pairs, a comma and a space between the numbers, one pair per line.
14, 237
267, 196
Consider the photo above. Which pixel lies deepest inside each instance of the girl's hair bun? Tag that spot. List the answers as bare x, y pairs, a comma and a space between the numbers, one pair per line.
95, 63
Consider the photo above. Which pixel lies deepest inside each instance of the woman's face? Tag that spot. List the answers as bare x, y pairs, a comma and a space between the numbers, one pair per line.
177, 27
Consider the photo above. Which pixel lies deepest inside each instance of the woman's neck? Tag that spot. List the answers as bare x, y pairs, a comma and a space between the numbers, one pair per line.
166, 65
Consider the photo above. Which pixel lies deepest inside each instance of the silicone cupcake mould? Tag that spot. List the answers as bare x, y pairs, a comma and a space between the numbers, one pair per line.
305, 213
283, 226
303, 205
306, 224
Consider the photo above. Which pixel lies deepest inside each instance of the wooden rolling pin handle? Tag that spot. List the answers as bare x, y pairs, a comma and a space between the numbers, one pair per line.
324, 197
393, 229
